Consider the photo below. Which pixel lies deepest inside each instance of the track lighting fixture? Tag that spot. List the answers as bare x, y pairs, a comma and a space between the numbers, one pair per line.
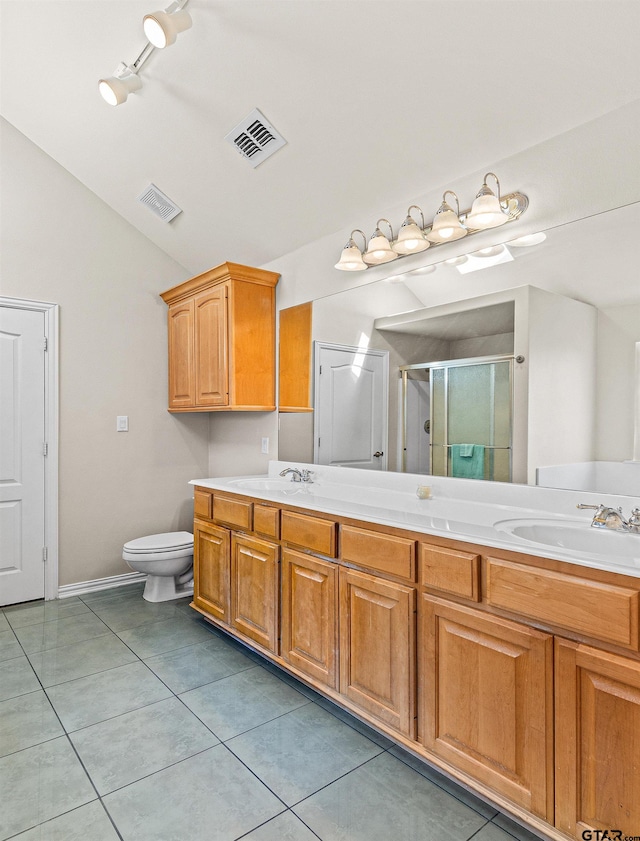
488, 211
161, 30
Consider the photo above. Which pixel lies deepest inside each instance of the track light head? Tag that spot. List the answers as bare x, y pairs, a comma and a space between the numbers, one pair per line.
162, 28
115, 89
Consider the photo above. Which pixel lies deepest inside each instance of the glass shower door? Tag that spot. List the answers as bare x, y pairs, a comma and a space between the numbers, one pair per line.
471, 420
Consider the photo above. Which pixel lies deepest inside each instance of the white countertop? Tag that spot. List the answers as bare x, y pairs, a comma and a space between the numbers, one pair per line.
494, 514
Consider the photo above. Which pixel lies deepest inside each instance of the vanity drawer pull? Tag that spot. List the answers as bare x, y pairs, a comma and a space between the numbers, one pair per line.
607, 612
450, 571
232, 511
381, 552
309, 532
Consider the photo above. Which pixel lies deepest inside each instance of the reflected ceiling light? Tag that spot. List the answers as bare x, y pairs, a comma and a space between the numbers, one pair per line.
456, 261
115, 89
528, 239
491, 251
424, 270
162, 28
351, 257
379, 249
446, 223
485, 258
488, 211
411, 238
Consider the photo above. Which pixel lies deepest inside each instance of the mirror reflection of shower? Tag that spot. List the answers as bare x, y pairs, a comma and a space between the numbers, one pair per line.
456, 418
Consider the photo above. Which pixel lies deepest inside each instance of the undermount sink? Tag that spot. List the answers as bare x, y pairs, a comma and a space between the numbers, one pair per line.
574, 536
268, 484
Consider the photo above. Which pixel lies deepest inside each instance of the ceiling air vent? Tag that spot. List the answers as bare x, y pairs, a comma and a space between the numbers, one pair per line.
161, 205
255, 138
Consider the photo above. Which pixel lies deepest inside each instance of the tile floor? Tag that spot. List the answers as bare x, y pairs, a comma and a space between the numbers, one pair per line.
121, 719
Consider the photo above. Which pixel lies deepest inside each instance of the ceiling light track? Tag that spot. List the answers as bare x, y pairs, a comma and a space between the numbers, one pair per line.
161, 29
489, 210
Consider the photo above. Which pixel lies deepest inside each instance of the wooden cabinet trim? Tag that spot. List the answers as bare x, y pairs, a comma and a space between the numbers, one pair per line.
604, 611
266, 520
202, 504
233, 511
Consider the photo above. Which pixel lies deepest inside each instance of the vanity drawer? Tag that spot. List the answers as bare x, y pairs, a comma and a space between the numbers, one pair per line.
310, 532
235, 512
450, 571
378, 551
266, 520
202, 504
608, 612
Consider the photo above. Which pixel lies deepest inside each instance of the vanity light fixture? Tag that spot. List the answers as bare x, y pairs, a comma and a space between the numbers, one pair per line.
379, 249
486, 210
447, 226
489, 210
411, 238
161, 30
351, 257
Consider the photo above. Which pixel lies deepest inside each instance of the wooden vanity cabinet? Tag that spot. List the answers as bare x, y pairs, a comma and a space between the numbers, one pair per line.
597, 713
310, 615
377, 647
255, 587
212, 570
221, 333
487, 705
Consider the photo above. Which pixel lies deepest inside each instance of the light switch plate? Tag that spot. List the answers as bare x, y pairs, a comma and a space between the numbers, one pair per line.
122, 423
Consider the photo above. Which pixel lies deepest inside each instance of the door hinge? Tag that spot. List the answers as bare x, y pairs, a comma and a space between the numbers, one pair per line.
318, 442
45, 554
46, 344
45, 448
321, 369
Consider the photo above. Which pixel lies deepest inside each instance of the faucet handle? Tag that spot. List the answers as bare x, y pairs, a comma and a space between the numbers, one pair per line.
594, 507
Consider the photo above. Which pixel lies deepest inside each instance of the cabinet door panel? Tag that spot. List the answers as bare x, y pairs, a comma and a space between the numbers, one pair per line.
254, 597
211, 365
182, 387
377, 647
211, 569
486, 688
598, 747
309, 611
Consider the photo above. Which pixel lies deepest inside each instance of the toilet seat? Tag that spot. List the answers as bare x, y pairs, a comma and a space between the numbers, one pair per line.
158, 544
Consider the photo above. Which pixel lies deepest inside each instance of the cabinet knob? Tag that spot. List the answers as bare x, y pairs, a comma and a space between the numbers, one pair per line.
378, 454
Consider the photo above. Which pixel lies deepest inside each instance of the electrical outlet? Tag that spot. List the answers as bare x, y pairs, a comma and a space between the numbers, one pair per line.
265, 446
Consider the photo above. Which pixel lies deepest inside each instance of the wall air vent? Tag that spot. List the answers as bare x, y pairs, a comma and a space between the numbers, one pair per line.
255, 138
161, 205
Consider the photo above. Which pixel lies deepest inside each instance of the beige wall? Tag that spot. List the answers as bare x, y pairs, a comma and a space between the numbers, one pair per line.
60, 243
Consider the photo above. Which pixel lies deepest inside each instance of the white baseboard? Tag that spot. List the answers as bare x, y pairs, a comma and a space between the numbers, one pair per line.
82, 587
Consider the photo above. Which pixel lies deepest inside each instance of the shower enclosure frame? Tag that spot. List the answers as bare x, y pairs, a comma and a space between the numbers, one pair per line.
446, 365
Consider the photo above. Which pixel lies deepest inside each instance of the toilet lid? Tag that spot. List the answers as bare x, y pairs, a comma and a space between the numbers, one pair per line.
161, 542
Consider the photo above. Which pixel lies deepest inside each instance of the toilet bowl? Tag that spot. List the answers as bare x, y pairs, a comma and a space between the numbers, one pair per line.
167, 561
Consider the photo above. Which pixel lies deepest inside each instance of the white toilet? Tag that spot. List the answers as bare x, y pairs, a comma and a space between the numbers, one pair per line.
167, 559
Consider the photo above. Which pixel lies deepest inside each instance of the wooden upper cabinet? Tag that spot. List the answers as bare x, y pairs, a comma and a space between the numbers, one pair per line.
222, 341
294, 347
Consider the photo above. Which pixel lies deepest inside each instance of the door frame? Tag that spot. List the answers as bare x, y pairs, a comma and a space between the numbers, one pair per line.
382, 354
51, 314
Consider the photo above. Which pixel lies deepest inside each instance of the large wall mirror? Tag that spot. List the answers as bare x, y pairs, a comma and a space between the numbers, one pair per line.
522, 349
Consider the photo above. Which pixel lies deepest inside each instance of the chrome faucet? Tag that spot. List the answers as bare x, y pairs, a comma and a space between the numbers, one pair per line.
298, 475
612, 518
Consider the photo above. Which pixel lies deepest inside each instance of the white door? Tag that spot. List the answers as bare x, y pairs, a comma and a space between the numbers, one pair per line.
351, 406
22, 455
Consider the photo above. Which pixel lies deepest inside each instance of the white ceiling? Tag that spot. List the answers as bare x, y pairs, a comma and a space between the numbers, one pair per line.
379, 102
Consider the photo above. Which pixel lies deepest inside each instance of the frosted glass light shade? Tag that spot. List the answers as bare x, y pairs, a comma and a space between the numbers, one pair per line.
410, 240
486, 212
379, 250
115, 90
446, 226
161, 29
351, 259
